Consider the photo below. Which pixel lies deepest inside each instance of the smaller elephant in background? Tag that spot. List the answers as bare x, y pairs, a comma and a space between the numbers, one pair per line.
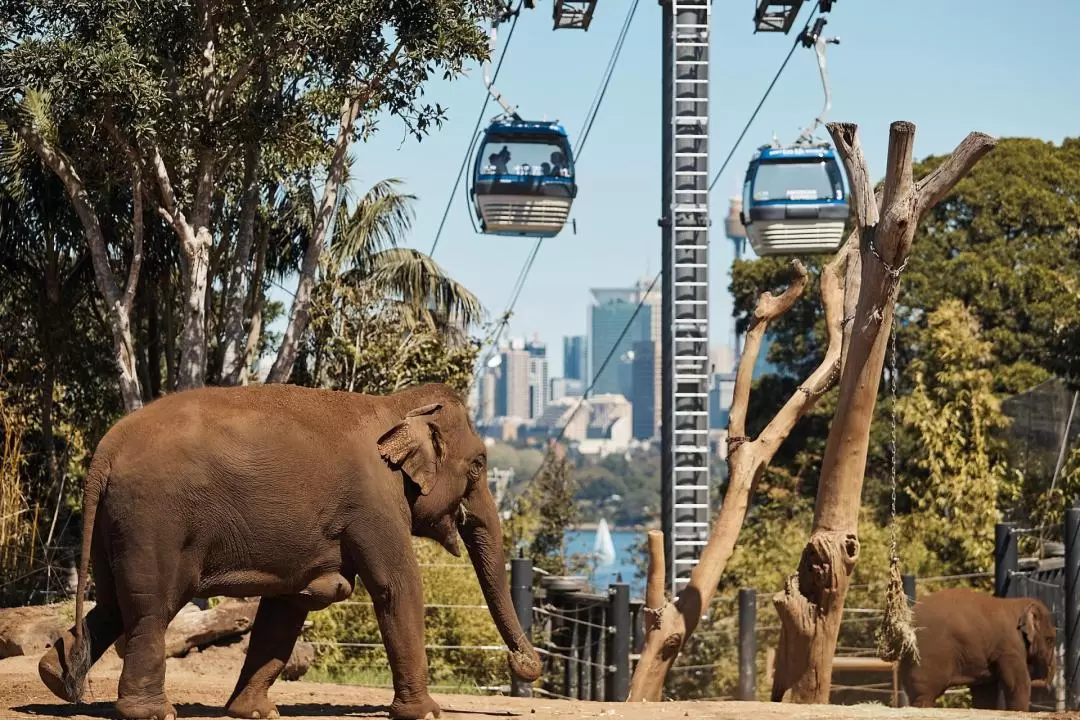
985, 642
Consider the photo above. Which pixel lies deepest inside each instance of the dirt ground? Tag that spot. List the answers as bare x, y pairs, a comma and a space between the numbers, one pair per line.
199, 689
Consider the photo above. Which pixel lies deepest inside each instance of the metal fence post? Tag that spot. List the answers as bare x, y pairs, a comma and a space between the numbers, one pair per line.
618, 689
1005, 560
521, 594
747, 644
909, 587
1072, 609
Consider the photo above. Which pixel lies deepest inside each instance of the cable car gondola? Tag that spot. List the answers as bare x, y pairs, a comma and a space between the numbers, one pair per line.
793, 197
523, 178
794, 201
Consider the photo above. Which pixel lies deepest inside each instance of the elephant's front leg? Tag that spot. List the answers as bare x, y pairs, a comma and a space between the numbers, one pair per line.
273, 634
1013, 676
391, 574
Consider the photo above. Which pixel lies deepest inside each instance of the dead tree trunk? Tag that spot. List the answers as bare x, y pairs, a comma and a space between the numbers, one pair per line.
671, 622
812, 602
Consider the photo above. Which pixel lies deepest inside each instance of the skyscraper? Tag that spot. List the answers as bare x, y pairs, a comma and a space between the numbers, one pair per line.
575, 357
539, 387
613, 310
643, 396
512, 387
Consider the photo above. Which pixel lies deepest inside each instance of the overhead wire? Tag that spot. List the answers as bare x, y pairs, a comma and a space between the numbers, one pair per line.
598, 98
587, 123
475, 132
644, 297
761, 102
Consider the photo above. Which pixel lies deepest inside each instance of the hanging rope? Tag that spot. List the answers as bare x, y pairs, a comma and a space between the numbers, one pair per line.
895, 635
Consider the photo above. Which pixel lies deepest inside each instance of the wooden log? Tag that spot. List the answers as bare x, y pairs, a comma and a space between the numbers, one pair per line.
192, 628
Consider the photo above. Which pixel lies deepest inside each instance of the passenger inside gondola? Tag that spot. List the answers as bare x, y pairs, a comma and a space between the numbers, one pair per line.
558, 164
500, 160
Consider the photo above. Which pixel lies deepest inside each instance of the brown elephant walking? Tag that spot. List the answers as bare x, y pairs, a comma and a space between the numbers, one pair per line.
287, 493
984, 642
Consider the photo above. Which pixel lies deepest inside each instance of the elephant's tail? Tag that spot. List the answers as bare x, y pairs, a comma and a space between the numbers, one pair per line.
79, 658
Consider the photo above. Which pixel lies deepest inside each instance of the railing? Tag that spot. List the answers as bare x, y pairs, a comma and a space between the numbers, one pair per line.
1055, 580
584, 639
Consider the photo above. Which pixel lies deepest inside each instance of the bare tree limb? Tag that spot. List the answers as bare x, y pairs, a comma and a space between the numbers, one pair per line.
672, 623
933, 188
811, 605
860, 189
768, 308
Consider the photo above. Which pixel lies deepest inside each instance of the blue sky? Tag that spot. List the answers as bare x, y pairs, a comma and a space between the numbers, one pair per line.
949, 66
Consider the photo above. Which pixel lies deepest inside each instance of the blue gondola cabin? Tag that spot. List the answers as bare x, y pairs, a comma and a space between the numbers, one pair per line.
794, 201
523, 179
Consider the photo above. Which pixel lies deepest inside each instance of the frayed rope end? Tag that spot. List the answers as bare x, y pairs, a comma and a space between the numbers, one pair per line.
896, 636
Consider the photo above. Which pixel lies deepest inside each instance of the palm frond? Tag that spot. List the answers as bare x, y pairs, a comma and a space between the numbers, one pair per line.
380, 220
423, 286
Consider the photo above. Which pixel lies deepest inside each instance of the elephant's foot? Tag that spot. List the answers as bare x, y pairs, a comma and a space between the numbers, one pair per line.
53, 670
137, 708
252, 704
417, 709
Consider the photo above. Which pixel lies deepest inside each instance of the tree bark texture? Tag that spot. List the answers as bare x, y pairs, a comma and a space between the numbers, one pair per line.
300, 313
118, 301
234, 337
669, 624
812, 602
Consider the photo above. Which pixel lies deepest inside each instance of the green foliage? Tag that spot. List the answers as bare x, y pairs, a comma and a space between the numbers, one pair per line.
358, 342
524, 461
959, 477
540, 516
447, 581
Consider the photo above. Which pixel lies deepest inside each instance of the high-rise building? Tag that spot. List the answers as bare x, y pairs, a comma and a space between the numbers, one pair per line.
539, 387
643, 397
565, 387
488, 392
613, 310
512, 387
721, 392
575, 357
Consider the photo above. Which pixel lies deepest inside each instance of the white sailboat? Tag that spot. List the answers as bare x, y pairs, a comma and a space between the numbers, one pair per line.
603, 547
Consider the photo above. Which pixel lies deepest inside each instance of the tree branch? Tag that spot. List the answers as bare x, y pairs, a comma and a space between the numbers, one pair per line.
828, 372
299, 314
768, 308
846, 138
136, 236
169, 207
933, 188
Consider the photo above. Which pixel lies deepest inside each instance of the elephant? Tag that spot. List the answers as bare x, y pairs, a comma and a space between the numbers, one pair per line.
971, 638
289, 494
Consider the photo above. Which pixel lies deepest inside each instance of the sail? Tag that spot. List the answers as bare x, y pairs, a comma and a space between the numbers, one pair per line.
603, 547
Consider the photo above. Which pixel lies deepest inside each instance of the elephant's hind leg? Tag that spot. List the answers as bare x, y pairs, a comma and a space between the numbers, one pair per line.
149, 596
277, 625
104, 625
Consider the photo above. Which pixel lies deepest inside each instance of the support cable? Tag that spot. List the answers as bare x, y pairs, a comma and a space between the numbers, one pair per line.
764, 97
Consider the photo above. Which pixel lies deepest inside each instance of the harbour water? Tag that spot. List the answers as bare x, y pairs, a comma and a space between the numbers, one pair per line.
582, 542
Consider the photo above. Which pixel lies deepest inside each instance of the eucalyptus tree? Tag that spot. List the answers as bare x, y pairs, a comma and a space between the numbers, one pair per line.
197, 110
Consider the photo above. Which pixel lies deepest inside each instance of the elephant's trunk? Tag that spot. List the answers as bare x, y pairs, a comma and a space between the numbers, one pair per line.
480, 529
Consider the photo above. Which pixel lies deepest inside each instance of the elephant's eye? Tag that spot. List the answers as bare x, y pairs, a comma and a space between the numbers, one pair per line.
476, 468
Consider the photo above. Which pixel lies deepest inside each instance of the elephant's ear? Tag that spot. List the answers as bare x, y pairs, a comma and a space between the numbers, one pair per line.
1029, 626
415, 446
